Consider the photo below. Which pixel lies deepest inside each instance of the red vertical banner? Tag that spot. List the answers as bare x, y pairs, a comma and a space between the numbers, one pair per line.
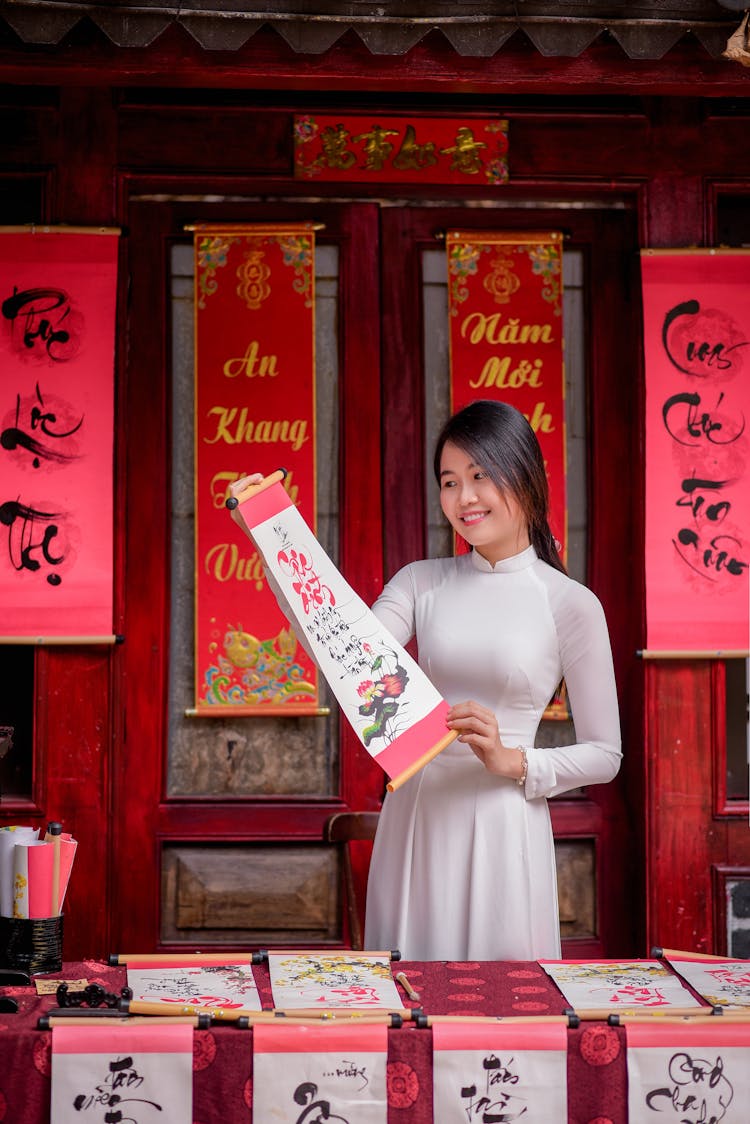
506, 337
696, 326
57, 343
254, 411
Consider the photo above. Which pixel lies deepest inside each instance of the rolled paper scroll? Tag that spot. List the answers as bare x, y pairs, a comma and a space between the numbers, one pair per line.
396, 712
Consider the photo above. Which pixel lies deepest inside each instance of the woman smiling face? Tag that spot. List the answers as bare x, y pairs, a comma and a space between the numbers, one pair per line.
489, 519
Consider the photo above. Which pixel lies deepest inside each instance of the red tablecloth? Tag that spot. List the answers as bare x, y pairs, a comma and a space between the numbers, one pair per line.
223, 1061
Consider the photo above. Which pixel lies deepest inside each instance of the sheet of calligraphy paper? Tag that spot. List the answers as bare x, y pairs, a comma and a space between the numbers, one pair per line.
139, 1074
687, 1074
57, 340
696, 333
618, 984
305, 1074
502, 1073
229, 986
722, 983
338, 979
9, 837
389, 701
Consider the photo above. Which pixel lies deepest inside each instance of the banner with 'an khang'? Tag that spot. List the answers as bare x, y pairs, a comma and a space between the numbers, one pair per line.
57, 345
696, 335
506, 337
254, 408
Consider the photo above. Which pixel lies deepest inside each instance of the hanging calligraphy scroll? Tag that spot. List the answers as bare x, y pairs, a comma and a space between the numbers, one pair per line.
315, 1073
688, 1071
145, 1073
57, 338
254, 401
393, 708
399, 149
500, 1072
696, 327
506, 337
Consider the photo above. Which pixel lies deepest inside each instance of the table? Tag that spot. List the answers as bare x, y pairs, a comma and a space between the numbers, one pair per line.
222, 1058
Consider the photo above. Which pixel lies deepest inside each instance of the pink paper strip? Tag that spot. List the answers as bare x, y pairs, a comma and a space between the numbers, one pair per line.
174, 1038
507, 1036
418, 739
265, 505
718, 1033
41, 858
279, 1039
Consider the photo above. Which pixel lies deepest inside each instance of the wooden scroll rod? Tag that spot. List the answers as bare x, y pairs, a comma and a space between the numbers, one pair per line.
58, 640
241, 228
682, 954
212, 958
37, 228
704, 654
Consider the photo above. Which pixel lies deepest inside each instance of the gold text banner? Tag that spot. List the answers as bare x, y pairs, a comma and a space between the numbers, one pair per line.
254, 407
506, 337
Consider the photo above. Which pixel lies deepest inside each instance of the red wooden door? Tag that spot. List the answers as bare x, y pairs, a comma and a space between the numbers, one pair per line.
597, 862
210, 848
218, 822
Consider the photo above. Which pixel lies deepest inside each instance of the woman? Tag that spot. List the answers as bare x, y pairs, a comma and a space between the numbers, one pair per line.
463, 865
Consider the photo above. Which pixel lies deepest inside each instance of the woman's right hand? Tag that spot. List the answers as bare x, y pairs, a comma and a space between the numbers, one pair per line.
239, 486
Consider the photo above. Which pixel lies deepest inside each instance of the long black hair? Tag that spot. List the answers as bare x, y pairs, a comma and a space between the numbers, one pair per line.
499, 438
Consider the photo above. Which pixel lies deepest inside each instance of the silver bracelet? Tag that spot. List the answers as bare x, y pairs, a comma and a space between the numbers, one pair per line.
524, 768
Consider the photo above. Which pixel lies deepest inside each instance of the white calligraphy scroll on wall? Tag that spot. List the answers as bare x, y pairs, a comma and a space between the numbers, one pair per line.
394, 709
503, 1072
122, 1072
688, 1072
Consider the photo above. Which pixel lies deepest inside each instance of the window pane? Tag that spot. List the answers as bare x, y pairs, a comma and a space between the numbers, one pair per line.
16, 720
737, 729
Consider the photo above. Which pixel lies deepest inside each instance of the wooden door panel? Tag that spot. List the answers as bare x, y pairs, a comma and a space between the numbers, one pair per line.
258, 894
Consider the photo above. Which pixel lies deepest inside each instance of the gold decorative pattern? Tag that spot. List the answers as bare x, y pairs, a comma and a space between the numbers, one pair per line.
253, 273
502, 282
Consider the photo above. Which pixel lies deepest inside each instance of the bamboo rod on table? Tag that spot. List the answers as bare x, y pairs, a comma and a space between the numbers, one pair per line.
227, 1014
121, 959
164, 1010
46, 1022
433, 1020
325, 953
400, 977
355, 1013
700, 1020
602, 1013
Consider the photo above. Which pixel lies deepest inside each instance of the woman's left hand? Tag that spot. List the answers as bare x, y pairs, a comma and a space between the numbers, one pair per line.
477, 727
